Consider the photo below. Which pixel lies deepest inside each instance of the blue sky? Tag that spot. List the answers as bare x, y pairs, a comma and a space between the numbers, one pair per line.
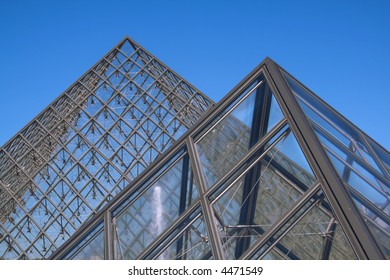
339, 49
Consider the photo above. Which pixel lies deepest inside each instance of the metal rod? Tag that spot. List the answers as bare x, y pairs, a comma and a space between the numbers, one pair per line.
208, 210
361, 238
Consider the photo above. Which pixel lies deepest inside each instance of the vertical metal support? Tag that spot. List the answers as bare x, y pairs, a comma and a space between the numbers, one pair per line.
259, 126
347, 170
328, 239
183, 201
207, 209
344, 208
108, 234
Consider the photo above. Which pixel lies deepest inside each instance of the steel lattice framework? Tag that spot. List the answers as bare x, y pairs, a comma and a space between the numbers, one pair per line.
272, 172
87, 146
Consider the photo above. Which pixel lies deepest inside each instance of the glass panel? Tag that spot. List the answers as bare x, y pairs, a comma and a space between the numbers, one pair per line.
227, 142
382, 154
359, 182
276, 195
290, 158
340, 249
274, 254
378, 223
234, 131
322, 115
275, 114
91, 247
314, 233
191, 244
154, 209
272, 186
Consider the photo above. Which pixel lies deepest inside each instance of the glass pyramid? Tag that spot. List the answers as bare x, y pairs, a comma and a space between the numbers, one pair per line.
272, 172
87, 146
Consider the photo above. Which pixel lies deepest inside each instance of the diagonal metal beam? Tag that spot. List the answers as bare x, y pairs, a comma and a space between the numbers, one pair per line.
348, 215
207, 209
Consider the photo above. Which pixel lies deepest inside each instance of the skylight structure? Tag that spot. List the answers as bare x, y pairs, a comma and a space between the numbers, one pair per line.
272, 172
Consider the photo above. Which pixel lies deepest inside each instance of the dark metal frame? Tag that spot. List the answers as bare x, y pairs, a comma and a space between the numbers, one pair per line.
338, 195
349, 218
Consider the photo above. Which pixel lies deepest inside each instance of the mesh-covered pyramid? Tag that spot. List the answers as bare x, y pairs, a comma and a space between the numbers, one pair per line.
273, 172
87, 146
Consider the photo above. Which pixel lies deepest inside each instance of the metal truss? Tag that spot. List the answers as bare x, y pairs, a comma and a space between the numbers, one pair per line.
272, 172
87, 146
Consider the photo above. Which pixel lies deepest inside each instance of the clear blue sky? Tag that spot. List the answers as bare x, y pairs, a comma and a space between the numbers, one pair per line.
339, 49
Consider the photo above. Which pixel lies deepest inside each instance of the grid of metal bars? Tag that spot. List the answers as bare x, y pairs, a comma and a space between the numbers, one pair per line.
273, 172
87, 146
267, 185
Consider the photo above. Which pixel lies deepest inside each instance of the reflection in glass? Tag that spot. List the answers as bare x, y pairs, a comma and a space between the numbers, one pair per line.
227, 142
360, 162
320, 114
275, 114
149, 214
91, 247
307, 239
191, 244
231, 137
267, 190
312, 233
379, 224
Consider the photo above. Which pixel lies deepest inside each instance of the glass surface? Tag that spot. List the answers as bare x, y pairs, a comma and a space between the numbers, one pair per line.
274, 254
312, 233
271, 183
275, 114
341, 249
378, 223
91, 247
306, 240
382, 154
288, 154
89, 144
351, 168
342, 130
227, 142
356, 180
276, 195
154, 209
192, 244
229, 139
